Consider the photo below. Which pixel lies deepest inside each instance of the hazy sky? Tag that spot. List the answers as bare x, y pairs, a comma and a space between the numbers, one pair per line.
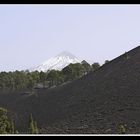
29, 34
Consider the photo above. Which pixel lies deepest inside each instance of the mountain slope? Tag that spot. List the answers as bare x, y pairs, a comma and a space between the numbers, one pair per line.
97, 103
58, 62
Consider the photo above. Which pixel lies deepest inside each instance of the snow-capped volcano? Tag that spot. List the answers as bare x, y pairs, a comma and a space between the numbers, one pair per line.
57, 63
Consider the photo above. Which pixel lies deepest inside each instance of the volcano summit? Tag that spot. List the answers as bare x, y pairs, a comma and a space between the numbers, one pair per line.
57, 63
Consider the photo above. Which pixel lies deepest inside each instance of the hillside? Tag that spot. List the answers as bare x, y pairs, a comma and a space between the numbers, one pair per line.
97, 103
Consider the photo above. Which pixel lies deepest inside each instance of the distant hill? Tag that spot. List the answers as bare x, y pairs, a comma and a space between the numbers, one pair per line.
98, 103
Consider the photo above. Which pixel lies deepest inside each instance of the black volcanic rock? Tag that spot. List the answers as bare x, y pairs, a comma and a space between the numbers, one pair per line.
97, 103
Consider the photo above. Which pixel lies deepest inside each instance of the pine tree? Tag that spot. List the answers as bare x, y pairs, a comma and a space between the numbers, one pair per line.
31, 125
106, 61
33, 129
36, 131
86, 66
6, 126
95, 66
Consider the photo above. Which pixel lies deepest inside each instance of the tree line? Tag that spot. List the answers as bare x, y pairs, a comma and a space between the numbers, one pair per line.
27, 80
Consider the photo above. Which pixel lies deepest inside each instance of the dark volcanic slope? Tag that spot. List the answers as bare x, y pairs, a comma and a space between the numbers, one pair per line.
96, 103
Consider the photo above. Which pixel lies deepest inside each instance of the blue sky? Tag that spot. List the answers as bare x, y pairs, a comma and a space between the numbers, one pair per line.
30, 34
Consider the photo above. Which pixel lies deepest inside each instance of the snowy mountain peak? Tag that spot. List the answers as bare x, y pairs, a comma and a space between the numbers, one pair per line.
66, 54
57, 63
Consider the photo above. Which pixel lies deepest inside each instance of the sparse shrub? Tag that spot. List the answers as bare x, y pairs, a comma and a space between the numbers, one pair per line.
107, 61
122, 129
127, 56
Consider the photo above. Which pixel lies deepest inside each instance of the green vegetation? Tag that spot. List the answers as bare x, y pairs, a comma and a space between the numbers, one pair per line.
95, 66
33, 129
55, 77
28, 80
122, 129
87, 67
6, 125
73, 71
107, 61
